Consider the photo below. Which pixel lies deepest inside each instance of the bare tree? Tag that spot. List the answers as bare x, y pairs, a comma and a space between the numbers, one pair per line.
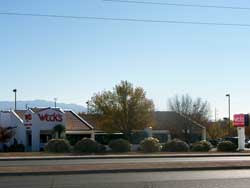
196, 109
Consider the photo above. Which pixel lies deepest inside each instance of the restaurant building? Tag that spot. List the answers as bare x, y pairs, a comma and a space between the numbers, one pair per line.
34, 127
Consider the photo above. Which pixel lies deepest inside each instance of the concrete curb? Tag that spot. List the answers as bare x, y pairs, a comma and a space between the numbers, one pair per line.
124, 171
121, 157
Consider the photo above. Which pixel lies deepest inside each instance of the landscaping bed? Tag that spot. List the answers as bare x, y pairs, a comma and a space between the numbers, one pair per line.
45, 154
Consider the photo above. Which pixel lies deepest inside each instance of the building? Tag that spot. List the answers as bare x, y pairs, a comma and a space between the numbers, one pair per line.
180, 126
168, 125
34, 127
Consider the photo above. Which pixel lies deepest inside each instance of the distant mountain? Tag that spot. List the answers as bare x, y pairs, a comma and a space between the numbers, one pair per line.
21, 105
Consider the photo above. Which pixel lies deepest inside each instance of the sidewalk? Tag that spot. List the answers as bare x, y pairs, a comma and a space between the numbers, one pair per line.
119, 168
121, 156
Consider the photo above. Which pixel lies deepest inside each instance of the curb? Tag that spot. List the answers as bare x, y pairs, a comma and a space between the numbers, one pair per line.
124, 171
119, 157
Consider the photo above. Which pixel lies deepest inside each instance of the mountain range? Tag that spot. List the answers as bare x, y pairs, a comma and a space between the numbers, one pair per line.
21, 105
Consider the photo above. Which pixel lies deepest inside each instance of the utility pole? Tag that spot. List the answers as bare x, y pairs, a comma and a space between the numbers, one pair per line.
55, 100
15, 91
215, 114
229, 109
87, 107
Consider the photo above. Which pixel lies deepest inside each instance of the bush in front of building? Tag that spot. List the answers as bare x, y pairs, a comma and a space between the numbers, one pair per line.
202, 146
226, 146
58, 146
120, 145
16, 148
86, 145
150, 145
176, 145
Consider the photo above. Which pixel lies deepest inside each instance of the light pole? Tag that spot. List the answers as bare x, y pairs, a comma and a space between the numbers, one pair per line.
15, 90
55, 100
87, 107
229, 109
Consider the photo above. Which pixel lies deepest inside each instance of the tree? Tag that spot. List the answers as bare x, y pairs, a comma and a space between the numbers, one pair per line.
123, 109
216, 130
196, 109
6, 134
59, 130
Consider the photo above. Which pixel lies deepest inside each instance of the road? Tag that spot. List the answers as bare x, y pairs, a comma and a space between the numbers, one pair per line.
101, 161
192, 179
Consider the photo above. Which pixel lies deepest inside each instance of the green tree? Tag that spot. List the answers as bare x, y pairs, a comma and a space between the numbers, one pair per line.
59, 130
123, 109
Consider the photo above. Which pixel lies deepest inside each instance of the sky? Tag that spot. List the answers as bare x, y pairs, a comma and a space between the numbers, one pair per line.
72, 59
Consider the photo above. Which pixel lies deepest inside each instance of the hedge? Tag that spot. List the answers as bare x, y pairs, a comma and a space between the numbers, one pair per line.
120, 145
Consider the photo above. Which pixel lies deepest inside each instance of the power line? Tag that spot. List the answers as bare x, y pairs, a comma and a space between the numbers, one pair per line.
180, 4
125, 19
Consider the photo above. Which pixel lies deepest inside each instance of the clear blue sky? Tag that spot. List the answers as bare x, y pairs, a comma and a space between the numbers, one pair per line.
72, 59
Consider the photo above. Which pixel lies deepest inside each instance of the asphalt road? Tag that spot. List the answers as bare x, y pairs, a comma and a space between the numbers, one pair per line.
192, 179
101, 161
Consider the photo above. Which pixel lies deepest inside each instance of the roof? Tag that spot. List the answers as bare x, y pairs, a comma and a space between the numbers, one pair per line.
168, 119
92, 119
21, 113
164, 120
76, 123
73, 121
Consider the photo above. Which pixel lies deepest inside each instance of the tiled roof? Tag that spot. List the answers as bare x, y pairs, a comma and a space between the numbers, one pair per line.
20, 113
164, 120
169, 119
92, 119
73, 121
76, 123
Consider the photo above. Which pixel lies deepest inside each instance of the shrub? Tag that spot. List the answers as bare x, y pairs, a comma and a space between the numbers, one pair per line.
247, 145
58, 146
226, 146
176, 146
149, 145
120, 145
202, 146
16, 148
214, 142
87, 145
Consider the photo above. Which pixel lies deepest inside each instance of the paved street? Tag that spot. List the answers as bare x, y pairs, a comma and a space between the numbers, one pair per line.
192, 179
107, 161
174, 179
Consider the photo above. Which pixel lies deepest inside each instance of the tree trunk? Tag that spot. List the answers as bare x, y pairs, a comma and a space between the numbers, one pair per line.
59, 134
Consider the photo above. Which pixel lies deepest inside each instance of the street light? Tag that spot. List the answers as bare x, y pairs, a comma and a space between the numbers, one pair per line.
15, 90
55, 100
229, 108
87, 107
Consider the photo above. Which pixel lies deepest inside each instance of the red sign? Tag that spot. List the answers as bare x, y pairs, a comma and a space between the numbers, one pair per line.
28, 117
239, 120
51, 117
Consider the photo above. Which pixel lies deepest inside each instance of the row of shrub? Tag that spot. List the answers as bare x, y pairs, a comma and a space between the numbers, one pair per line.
202, 146
148, 145
13, 148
